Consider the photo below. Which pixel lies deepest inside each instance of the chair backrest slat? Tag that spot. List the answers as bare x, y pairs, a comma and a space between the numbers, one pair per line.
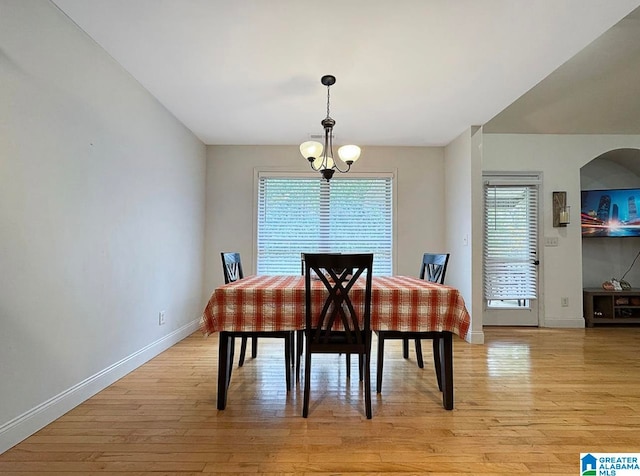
338, 312
434, 267
232, 267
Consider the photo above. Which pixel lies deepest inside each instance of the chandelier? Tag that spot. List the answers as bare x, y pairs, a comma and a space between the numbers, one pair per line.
321, 156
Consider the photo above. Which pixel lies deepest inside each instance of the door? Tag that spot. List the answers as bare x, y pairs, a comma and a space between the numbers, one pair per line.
510, 258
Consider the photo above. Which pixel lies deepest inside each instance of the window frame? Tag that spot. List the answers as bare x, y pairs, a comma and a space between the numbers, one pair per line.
260, 172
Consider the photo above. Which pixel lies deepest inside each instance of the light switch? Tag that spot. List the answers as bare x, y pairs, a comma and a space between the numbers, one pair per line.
550, 241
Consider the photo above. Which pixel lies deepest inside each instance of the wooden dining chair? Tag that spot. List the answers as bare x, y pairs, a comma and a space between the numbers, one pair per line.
338, 323
300, 339
232, 268
432, 269
299, 334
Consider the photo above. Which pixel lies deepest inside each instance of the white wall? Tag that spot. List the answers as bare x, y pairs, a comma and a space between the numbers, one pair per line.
101, 220
230, 200
559, 158
463, 182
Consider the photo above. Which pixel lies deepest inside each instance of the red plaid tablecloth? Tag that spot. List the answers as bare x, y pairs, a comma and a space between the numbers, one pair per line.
276, 303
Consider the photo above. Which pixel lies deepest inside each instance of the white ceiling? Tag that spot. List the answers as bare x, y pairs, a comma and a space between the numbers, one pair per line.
409, 72
595, 92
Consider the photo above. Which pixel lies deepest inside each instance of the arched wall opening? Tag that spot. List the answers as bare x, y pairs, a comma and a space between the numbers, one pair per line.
604, 258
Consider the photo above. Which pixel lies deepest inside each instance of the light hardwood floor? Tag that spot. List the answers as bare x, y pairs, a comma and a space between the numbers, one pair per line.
528, 401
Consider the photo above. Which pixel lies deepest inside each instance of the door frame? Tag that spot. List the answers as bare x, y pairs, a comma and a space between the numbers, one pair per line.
513, 315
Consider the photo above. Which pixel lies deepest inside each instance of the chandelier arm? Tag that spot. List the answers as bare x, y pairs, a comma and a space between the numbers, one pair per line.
328, 141
335, 165
328, 137
335, 159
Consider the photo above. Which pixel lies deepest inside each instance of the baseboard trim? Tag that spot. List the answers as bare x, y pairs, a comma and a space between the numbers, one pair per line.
25, 425
475, 337
563, 323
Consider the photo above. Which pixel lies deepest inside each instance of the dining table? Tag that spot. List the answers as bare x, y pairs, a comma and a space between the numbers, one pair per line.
277, 303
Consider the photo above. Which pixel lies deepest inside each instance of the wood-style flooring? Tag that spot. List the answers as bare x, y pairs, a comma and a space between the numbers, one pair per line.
528, 401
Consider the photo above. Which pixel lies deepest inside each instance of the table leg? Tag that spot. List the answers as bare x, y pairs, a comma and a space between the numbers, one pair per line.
380, 363
288, 356
446, 363
418, 344
225, 364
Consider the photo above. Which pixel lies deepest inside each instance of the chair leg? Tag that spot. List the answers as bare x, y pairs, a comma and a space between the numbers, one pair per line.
307, 383
380, 361
364, 358
419, 353
243, 351
287, 360
348, 358
300, 346
254, 347
405, 348
436, 361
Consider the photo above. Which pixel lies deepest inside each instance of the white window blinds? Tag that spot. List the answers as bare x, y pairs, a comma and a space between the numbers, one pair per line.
310, 215
510, 241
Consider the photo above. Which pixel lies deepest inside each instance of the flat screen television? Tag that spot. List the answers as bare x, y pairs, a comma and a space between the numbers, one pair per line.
610, 213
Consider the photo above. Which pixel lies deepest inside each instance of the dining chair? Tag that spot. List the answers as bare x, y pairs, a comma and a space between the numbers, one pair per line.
432, 269
232, 268
300, 339
339, 322
299, 333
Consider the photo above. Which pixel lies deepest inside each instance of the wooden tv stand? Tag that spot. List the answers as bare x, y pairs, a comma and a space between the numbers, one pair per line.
611, 307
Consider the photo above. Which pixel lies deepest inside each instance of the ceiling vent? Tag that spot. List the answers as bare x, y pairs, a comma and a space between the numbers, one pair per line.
320, 136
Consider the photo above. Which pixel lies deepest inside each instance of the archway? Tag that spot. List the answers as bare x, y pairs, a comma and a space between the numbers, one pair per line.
604, 258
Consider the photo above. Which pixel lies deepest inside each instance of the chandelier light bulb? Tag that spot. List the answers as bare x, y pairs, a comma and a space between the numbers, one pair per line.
349, 153
319, 163
311, 149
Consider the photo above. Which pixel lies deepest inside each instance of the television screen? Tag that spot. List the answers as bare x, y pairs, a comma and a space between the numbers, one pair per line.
610, 212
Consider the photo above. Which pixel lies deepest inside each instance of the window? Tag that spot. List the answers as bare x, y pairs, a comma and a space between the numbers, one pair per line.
306, 214
510, 243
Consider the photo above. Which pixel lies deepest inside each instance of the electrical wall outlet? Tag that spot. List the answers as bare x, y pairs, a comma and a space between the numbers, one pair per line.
161, 319
564, 301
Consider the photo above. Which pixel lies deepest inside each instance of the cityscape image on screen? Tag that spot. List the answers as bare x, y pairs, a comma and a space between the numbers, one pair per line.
610, 213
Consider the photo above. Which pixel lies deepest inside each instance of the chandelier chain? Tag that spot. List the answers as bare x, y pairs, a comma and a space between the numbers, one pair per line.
328, 93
